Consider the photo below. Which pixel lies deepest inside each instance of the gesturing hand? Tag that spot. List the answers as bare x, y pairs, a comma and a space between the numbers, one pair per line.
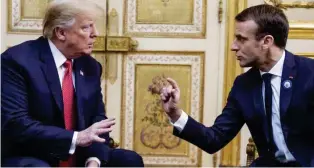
91, 134
170, 96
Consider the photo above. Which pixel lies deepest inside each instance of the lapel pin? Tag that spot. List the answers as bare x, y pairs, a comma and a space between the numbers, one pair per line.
81, 73
287, 84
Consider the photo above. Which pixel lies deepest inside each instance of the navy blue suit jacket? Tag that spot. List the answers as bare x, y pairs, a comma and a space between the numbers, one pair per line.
245, 105
32, 122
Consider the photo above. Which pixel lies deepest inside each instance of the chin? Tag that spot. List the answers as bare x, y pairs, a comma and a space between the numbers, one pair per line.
244, 65
88, 51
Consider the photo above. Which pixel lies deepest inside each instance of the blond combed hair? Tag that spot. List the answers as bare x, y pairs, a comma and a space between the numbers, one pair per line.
62, 13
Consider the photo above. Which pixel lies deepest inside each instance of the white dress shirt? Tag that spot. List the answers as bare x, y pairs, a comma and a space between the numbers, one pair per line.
283, 154
60, 59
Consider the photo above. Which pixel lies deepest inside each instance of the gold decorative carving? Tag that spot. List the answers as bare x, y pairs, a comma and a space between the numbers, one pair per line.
285, 5
152, 130
133, 44
153, 18
113, 23
99, 44
145, 128
301, 30
22, 18
157, 132
298, 29
215, 160
118, 43
310, 55
114, 43
230, 155
251, 152
33, 9
164, 12
220, 11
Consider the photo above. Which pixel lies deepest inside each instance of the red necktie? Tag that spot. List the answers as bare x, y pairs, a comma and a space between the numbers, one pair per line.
68, 105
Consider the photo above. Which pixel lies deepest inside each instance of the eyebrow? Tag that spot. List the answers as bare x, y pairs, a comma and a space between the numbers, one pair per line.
239, 36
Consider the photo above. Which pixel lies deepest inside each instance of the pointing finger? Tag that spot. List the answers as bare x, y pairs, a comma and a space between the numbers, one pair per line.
173, 83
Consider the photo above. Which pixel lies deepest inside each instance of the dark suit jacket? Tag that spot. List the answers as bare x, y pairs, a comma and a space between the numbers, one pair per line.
245, 105
32, 121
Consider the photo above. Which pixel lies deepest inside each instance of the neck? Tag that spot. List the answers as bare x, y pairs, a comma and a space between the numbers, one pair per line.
61, 47
271, 58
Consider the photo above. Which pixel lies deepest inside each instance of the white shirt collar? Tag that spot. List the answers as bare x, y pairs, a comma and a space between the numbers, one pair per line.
277, 69
57, 55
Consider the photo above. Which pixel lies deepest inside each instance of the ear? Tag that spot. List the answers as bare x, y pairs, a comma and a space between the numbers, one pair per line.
268, 41
60, 33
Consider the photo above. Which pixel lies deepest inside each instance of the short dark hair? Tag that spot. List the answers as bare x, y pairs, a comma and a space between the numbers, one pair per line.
270, 20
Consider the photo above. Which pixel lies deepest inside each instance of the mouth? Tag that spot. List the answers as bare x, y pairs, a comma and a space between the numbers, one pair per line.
239, 58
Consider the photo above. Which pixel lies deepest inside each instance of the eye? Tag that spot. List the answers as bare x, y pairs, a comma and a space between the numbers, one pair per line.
241, 39
86, 27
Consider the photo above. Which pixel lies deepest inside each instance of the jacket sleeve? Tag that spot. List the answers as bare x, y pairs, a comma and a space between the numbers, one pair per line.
16, 123
99, 150
226, 126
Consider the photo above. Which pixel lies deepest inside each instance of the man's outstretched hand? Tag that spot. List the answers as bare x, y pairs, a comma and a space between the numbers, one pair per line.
91, 134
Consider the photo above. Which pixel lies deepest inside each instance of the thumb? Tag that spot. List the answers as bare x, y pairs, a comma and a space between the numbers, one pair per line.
175, 95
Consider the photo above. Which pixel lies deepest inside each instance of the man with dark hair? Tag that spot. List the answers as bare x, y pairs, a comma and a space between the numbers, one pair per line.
275, 98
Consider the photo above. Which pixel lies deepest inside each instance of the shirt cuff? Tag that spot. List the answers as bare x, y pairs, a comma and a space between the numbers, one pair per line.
73, 144
181, 122
92, 158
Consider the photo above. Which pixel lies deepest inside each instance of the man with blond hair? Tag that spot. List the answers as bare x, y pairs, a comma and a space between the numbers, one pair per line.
51, 101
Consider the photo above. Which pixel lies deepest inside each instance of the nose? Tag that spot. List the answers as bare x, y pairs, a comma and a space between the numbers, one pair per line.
95, 32
234, 46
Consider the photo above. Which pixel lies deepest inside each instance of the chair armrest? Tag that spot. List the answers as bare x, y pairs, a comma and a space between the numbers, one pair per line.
251, 152
113, 143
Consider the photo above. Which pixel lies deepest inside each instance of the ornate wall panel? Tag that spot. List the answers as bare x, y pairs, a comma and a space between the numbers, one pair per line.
165, 18
26, 15
145, 126
301, 12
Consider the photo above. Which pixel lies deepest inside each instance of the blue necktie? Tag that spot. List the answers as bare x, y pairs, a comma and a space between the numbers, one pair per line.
268, 108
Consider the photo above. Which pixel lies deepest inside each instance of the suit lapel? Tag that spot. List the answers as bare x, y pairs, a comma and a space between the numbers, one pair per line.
50, 72
80, 84
287, 82
258, 100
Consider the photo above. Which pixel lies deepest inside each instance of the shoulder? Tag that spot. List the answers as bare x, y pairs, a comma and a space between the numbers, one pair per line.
22, 52
248, 78
304, 62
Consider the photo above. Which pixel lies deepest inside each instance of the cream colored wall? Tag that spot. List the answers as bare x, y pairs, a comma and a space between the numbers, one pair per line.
294, 45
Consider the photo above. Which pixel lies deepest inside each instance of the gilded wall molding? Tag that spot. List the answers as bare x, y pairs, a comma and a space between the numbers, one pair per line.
22, 21
230, 155
310, 55
298, 29
165, 18
295, 4
142, 116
